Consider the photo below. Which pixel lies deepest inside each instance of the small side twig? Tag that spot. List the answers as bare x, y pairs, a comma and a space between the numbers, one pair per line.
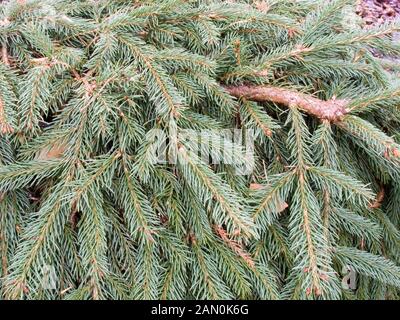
379, 199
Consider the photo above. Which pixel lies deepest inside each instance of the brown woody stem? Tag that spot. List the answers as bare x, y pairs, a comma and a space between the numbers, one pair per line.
4, 56
332, 110
379, 198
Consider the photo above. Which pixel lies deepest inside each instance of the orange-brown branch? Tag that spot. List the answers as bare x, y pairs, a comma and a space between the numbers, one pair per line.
332, 110
379, 199
4, 56
235, 246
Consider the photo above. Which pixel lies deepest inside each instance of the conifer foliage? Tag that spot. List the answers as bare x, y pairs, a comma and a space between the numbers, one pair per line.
86, 212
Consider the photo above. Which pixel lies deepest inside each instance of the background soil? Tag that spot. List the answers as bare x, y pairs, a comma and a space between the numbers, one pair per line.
378, 11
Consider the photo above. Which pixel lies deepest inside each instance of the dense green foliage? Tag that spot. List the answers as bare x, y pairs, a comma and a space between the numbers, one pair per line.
82, 83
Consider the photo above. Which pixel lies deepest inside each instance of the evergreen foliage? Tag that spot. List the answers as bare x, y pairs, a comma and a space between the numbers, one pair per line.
82, 85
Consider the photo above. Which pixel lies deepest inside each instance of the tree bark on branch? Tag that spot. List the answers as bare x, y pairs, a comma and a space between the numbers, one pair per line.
332, 110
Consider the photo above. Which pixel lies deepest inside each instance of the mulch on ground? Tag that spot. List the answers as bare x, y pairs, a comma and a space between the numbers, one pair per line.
375, 12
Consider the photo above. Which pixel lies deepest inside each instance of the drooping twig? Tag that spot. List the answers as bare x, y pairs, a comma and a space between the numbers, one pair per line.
332, 110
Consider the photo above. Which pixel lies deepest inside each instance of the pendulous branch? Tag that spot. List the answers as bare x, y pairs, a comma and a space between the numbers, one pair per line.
332, 110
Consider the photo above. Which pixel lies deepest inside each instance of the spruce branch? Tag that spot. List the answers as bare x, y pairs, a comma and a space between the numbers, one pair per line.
369, 264
5, 127
234, 214
91, 95
332, 110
